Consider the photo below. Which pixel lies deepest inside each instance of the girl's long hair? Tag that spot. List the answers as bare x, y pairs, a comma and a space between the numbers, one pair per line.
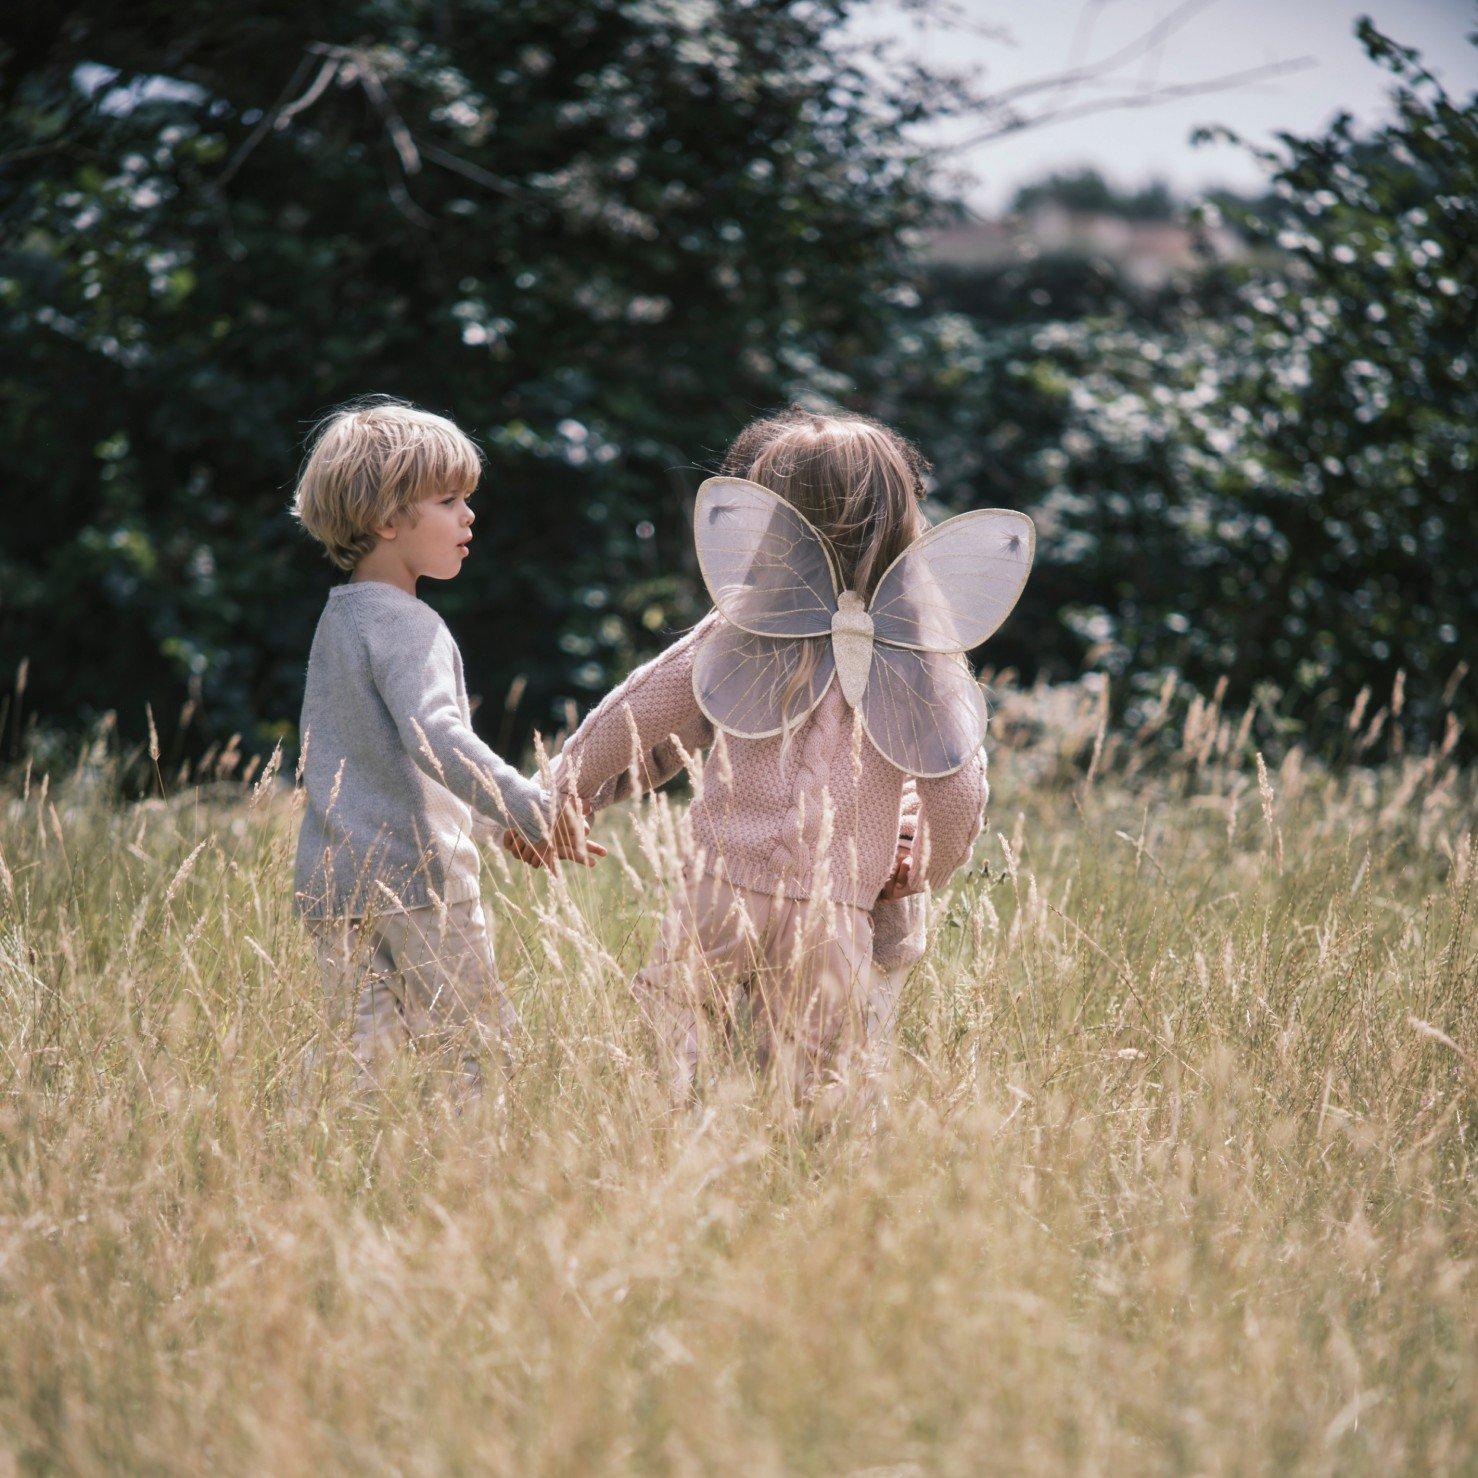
858, 482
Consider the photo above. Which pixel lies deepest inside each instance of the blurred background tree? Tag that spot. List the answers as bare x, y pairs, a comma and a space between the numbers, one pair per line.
603, 235
1277, 483
1261, 470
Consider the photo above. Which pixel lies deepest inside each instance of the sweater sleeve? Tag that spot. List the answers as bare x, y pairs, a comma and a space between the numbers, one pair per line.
662, 761
413, 663
951, 815
629, 741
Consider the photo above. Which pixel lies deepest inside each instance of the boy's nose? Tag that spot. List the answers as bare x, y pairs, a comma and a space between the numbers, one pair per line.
468, 517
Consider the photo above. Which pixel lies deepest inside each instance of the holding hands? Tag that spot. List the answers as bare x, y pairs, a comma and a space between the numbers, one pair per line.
568, 840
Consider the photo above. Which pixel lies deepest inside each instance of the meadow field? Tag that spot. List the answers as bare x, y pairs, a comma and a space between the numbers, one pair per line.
1177, 1174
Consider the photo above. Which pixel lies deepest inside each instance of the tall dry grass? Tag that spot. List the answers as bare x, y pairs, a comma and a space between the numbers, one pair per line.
1177, 1174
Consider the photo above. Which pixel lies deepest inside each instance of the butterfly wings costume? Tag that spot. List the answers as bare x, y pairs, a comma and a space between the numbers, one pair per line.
789, 630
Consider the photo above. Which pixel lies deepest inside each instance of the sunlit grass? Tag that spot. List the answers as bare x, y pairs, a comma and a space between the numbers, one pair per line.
1177, 1172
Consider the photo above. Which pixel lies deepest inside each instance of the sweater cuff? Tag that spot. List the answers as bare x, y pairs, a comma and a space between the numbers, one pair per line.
530, 811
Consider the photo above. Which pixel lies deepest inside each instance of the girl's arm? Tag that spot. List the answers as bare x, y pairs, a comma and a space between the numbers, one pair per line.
663, 760
629, 741
951, 815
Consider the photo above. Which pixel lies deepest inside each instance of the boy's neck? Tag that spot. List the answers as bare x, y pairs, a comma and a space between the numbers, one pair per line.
380, 565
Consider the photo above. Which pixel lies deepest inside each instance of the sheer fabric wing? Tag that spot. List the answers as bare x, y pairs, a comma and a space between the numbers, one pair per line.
765, 566
954, 585
923, 710
740, 680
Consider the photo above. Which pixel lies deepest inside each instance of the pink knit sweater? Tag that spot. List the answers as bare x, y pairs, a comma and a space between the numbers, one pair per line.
762, 807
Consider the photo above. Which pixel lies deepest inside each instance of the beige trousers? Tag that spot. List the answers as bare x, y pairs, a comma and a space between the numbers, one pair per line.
800, 970
416, 974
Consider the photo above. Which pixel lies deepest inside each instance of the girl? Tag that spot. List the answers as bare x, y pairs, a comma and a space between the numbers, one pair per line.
797, 813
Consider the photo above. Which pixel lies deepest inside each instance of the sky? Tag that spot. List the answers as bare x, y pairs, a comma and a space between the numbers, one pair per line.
1021, 41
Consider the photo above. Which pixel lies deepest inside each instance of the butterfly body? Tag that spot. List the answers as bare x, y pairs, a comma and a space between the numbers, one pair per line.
851, 645
898, 658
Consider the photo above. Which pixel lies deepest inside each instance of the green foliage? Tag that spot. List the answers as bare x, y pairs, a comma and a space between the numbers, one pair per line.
1286, 489
603, 235
599, 234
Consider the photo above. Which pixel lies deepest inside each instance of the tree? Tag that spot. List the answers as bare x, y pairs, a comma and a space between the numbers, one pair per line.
1282, 491
600, 234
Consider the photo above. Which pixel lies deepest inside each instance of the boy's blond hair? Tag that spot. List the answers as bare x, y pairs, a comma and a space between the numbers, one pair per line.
371, 460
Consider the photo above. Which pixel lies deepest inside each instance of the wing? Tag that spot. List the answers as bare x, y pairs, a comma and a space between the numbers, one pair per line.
954, 585
741, 680
766, 568
923, 710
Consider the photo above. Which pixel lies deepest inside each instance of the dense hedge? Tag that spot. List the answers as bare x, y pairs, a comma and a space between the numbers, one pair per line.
1289, 487
602, 235
1270, 478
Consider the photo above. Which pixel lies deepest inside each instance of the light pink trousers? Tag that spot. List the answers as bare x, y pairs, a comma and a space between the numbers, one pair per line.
417, 974
802, 971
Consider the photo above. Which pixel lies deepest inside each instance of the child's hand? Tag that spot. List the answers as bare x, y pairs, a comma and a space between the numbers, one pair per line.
513, 841
568, 841
897, 884
908, 826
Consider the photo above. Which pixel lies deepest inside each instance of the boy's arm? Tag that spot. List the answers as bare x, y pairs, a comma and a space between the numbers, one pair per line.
412, 659
951, 815
629, 741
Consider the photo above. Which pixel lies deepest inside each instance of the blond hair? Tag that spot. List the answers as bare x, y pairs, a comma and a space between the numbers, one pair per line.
858, 482
371, 460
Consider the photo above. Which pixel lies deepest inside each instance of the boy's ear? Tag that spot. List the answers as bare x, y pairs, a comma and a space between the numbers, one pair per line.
405, 518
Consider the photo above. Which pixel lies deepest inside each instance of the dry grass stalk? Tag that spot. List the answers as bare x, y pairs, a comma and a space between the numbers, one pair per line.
1176, 1174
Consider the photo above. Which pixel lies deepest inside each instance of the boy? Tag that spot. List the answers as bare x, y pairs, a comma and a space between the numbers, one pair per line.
397, 782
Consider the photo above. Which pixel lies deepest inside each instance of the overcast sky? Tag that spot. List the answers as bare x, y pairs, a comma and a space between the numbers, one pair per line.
1043, 37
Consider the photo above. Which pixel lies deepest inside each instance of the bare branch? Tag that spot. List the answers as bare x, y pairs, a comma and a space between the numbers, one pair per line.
955, 16
1059, 95
1075, 76
264, 123
315, 91
1148, 98
400, 135
474, 172
351, 66
1082, 37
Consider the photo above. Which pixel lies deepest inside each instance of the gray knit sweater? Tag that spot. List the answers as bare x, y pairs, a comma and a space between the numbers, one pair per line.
396, 779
